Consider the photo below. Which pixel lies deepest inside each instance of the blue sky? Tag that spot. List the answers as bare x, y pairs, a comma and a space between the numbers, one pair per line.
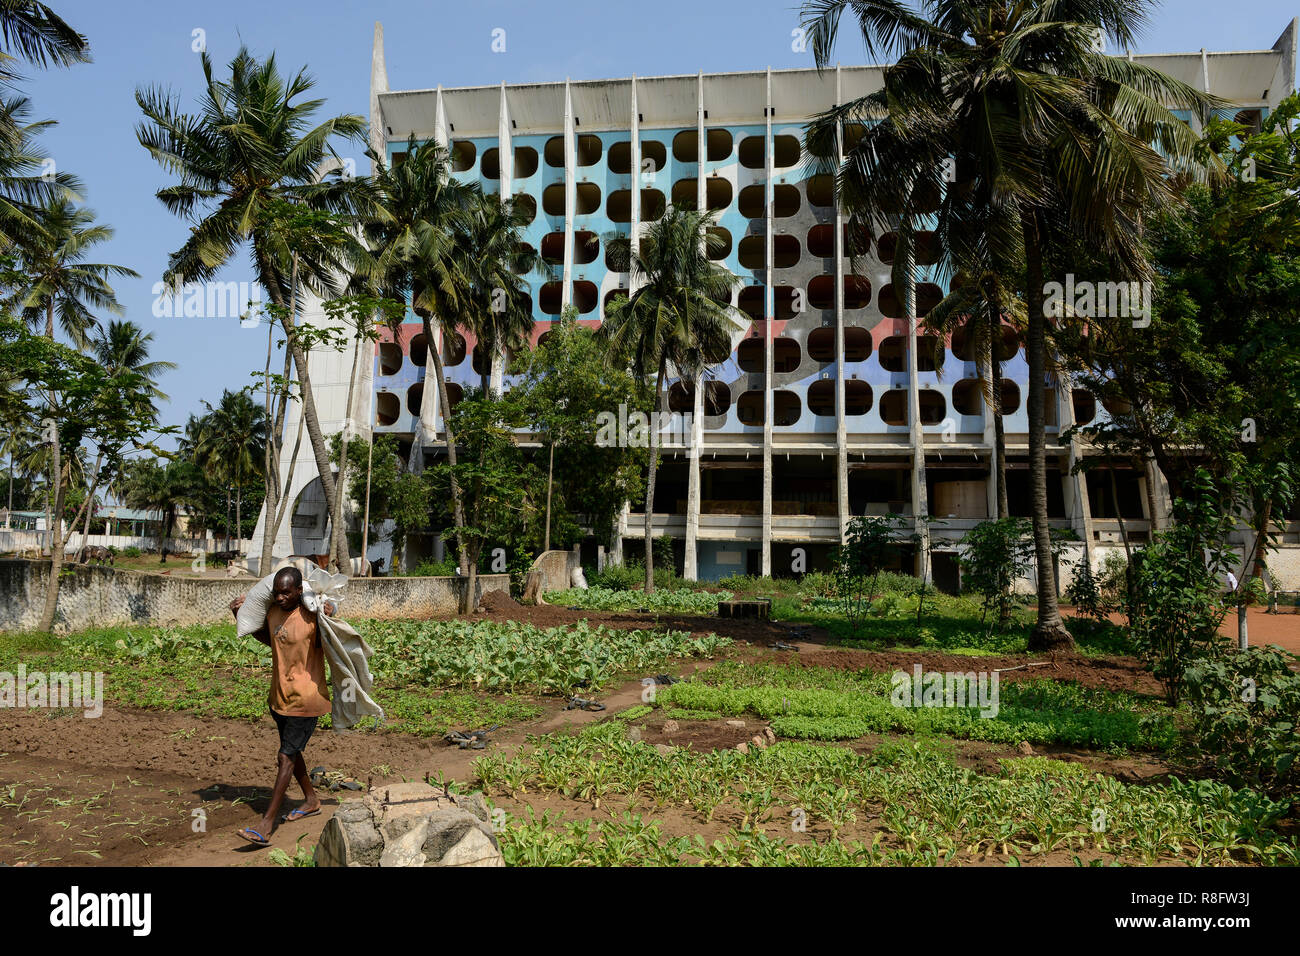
137, 43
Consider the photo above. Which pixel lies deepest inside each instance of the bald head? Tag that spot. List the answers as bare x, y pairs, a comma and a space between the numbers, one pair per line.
286, 588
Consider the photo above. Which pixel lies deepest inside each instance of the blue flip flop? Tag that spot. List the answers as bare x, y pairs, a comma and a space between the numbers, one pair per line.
260, 841
293, 815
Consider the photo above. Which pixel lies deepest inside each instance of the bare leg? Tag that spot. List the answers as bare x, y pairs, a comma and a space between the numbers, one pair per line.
284, 773
310, 800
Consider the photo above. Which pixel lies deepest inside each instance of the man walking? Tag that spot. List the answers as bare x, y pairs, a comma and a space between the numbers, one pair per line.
298, 698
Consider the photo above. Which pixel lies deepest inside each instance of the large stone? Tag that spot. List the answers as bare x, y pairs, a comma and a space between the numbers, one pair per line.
410, 824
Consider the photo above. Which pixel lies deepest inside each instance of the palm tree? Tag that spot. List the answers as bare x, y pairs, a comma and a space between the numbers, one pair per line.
230, 438
677, 316
35, 33
1050, 137
28, 181
412, 219
163, 488
247, 153
494, 255
123, 347
58, 280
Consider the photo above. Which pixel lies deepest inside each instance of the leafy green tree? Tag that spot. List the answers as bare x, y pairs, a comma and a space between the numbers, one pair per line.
871, 544
566, 385
1179, 582
497, 482
995, 554
83, 402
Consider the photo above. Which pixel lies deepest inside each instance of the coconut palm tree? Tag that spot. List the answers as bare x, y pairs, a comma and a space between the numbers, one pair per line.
122, 347
1051, 137
58, 280
249, 151
28, 178
413, 215
498, 309
35, 33
678, 316
230, 439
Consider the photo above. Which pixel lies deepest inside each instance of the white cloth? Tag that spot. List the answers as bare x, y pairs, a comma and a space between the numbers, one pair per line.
347, 651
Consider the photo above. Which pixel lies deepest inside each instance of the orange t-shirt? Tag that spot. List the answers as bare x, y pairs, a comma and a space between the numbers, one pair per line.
298, 687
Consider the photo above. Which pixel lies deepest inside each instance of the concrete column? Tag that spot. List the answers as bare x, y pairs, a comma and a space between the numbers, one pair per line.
841, 428
990, 442
1076, 485
920, 498
570, 198
769, 313
505, 163
634, 235
691, 557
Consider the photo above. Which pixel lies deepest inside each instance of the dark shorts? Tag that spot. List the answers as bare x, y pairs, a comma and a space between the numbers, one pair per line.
294, 732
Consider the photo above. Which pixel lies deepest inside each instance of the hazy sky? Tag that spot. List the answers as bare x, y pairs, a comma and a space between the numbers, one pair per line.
136, 43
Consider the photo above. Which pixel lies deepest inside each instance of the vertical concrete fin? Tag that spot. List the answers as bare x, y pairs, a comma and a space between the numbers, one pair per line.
378, 84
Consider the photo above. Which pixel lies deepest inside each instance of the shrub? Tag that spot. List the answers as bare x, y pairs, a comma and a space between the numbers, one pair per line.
428, 568
1084, 593
131, 552
1245, 711
618, 577
997, 553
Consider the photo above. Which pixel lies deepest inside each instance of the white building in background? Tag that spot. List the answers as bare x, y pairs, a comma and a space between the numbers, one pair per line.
832, 404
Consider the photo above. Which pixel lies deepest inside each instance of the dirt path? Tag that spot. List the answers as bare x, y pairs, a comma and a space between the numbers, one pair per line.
128, 787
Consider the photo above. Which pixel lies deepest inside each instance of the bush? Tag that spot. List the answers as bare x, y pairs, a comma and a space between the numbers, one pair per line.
131, 552
428, 568
1085, 594
997, 553
1245, 711
618, 577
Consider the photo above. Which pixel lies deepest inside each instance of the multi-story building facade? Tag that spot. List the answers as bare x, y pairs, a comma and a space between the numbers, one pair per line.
834, 402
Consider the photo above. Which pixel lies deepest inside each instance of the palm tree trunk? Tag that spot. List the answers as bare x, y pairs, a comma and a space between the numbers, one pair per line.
457, 507
1049, 632
365, 518
9, 511
650, 480
276, 495
340, 557
550, 479
239, 489
56, 546
317, 438
90, 497
999, 430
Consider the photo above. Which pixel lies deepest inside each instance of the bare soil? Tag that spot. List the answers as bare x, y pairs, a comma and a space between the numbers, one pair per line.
138, 787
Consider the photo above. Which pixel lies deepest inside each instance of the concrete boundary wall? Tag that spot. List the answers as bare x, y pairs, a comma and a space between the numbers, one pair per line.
106, 597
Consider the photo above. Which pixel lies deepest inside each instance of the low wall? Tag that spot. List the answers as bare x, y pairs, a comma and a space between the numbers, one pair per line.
104, 597
555, 568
